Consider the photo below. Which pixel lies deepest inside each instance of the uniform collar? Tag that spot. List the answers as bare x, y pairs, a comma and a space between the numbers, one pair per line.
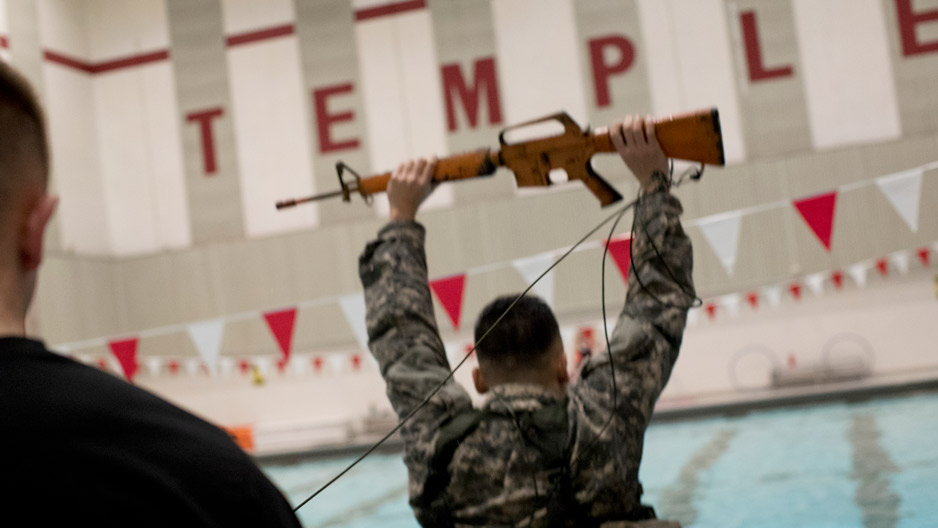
520, 397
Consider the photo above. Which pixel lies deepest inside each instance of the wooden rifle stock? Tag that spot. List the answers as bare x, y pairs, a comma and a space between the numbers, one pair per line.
694, 136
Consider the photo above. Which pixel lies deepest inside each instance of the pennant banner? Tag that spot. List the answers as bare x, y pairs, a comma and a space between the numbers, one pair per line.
153, 365
353, 307
818, 213
531, 268
731, 303
773, 294
449, 291
900, 260
837, 278
192, 366
904, 191
125, 351
858, 272
620, 249
692, 316
722, 233
816, 283
207, 339
753, 298
226, 366
923, 255
281, 325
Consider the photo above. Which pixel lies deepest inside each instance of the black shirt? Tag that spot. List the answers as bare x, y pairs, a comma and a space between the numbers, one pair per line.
81, 447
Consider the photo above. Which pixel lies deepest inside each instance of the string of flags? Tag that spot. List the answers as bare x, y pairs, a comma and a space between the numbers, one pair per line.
902, 190
815, 283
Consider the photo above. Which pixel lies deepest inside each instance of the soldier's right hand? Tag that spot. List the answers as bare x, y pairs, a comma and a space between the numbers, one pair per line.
410, 184
635, 141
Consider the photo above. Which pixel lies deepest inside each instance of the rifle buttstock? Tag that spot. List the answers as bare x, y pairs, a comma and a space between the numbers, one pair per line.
694, 136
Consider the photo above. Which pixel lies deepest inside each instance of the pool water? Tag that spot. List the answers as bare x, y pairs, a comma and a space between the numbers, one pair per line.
871, 464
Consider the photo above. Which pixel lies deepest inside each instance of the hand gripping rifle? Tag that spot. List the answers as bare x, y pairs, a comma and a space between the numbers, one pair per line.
694, 136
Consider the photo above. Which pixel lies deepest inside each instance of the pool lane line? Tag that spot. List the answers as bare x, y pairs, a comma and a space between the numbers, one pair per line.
878, 502
365, 508
677, 500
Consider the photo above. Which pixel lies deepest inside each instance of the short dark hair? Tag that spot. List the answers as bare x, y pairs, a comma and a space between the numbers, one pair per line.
522, 337
22, 132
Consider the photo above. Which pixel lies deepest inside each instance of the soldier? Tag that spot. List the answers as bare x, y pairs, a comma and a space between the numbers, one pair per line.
543, 451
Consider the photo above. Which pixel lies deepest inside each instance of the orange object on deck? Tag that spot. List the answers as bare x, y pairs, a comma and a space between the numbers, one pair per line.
243, 435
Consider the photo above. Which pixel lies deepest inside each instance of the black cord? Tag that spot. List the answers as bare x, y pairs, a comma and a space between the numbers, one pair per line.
452, 372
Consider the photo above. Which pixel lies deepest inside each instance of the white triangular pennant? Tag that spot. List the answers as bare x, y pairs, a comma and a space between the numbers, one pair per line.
338, 362
299, 365
816, 283
903, 190
262, 364
207, 339
693, 315
192, 366
531, 268
226, 366
858, 272
722, 232
731, 303
153, 365
353, 306
568, 337
773, 294
901, 260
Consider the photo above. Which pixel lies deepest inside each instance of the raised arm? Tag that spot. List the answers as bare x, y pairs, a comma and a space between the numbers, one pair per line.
648, 334
402, 331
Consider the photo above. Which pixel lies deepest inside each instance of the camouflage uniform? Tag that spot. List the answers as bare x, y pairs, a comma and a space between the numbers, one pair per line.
498, 478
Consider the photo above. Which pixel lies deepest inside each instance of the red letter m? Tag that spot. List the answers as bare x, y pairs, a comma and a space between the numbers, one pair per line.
484, 77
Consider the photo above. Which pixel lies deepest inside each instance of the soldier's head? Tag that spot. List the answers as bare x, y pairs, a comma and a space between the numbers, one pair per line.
25, 207
524, 347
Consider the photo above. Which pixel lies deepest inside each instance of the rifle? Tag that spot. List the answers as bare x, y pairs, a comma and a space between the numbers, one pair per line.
694, 136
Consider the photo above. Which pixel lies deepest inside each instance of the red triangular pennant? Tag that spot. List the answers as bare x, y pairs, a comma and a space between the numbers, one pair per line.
883, 266
244, 366
923, 255
173, 366
125, 351
281, 325
711, 310
795, 290
621, 250
818, 212
753, 299
449, 291
356, 361
317, 363
838, 279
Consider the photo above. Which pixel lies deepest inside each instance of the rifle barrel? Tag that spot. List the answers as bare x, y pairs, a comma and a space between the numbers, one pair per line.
293, 202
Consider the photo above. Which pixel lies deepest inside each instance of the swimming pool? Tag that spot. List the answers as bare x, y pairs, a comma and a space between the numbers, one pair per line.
870, 464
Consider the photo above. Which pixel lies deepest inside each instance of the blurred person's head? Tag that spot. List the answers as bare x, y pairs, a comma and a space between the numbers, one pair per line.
25, 206
524, 347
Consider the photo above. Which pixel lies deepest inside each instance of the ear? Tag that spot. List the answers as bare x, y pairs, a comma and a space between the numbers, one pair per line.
481, 386
34, 231
563, 375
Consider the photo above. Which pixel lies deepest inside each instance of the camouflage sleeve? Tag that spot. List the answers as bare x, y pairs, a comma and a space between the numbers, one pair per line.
404, 339
648, 334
